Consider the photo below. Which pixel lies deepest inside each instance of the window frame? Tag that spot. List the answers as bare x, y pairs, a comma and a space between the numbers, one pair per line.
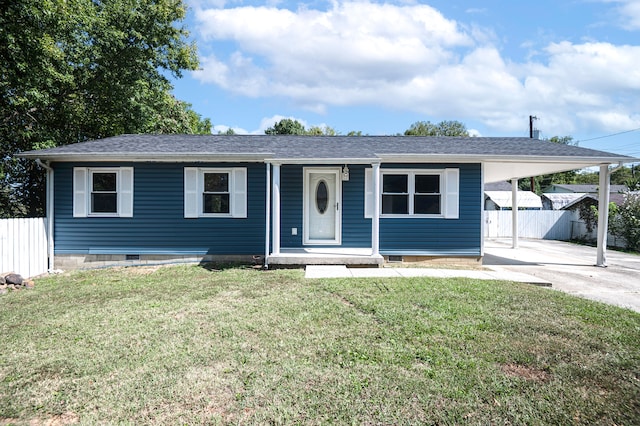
82, 183
90, 191
449, 192
194, 192
411, 191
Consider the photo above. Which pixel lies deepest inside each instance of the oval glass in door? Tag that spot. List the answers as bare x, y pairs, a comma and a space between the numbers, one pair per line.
322, 197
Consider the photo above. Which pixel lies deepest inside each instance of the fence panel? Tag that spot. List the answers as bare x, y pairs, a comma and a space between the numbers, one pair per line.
541, 224
23, 246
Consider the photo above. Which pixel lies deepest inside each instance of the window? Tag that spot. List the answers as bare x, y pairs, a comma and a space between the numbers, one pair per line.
215, 192
414, 192
103, 192
215, 197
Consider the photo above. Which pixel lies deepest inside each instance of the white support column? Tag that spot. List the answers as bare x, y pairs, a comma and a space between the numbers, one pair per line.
267, 214
603, 215
375, 219
514, 213
275, 246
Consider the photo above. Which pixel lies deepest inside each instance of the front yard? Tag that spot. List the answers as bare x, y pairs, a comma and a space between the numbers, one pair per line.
189, 345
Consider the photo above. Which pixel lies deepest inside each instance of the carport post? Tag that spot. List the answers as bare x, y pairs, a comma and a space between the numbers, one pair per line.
603, 214
514, 213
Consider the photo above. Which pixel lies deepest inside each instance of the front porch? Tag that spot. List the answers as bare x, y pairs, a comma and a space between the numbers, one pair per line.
326, 256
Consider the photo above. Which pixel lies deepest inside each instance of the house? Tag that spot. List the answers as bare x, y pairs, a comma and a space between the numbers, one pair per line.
557, 200
278, 199
498, 196
562, 188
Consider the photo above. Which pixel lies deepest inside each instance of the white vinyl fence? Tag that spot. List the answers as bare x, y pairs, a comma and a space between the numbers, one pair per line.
541, 224
23, 246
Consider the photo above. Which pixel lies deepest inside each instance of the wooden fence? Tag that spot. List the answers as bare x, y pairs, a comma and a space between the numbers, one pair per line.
23, 246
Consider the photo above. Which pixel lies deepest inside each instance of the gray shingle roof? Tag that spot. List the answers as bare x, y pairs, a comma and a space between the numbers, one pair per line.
314, 147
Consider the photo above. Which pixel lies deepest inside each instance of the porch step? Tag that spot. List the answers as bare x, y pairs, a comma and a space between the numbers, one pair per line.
303, 259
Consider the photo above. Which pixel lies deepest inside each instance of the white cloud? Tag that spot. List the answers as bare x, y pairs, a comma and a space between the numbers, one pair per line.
629, 13
410, 57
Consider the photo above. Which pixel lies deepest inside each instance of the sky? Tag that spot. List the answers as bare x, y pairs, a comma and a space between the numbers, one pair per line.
377, 67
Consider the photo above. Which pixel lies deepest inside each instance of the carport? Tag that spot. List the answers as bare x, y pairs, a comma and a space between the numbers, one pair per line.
565, 158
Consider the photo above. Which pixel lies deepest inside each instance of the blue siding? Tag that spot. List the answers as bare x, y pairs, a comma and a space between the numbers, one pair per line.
356, 230
431, 236
158, 225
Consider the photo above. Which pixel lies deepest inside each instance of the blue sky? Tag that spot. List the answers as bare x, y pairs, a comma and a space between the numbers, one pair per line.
378, 67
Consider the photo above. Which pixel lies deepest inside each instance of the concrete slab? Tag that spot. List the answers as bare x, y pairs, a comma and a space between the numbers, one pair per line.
570, 268
342, 271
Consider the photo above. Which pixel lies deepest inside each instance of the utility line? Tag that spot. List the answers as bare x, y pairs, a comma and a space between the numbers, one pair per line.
608, 136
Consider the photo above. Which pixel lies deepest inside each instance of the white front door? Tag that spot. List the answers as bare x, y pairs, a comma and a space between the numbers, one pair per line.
322, 206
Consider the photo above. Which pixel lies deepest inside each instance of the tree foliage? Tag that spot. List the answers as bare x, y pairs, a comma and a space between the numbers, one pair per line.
73, 70
288, 126
626, 220
443, 128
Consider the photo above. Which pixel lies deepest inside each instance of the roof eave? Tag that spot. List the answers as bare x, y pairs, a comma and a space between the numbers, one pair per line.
153, 157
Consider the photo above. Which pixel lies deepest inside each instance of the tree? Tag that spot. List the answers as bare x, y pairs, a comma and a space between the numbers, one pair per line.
73, 70
443, 128
288, 126
626, 221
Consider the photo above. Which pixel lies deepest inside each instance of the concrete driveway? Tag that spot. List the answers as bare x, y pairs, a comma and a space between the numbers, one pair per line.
571, 268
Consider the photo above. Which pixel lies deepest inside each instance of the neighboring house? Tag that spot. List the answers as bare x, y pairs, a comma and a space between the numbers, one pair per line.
282, 199
558, 188
557, 200
592, 200
498, 196
502, 200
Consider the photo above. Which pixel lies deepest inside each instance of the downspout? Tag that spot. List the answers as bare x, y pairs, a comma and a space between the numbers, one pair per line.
267, 205
603, 213
49, 212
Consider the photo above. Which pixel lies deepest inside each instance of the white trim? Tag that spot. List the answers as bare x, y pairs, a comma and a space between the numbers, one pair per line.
194, 189
514, 213
603, 215
125, 192
411, 173
369, 198
83, 188
267, 215
337, 171
275, 200
451, 200
80, 192
375, 219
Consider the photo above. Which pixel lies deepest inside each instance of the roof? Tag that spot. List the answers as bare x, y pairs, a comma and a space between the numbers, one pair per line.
615, 197
498, 186
503, 158
576, 188
526, 199
560, 199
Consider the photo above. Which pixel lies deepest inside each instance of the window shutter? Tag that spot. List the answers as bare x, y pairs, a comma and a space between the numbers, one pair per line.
239, 193
125, 192
80, 192
452, 193
191, 192
368, 193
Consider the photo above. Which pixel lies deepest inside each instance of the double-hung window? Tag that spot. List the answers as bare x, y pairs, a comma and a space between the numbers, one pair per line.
103, 191
414, 193
215, 192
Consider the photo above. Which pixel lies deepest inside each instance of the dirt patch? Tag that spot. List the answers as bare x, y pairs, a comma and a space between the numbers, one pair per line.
525, 372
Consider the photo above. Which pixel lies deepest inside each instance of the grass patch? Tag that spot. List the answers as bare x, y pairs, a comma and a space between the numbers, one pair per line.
189, 345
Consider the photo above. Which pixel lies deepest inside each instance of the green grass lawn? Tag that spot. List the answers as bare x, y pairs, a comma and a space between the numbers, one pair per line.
188, 345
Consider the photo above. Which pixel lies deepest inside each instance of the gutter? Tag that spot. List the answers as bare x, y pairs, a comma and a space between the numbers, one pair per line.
49, 213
